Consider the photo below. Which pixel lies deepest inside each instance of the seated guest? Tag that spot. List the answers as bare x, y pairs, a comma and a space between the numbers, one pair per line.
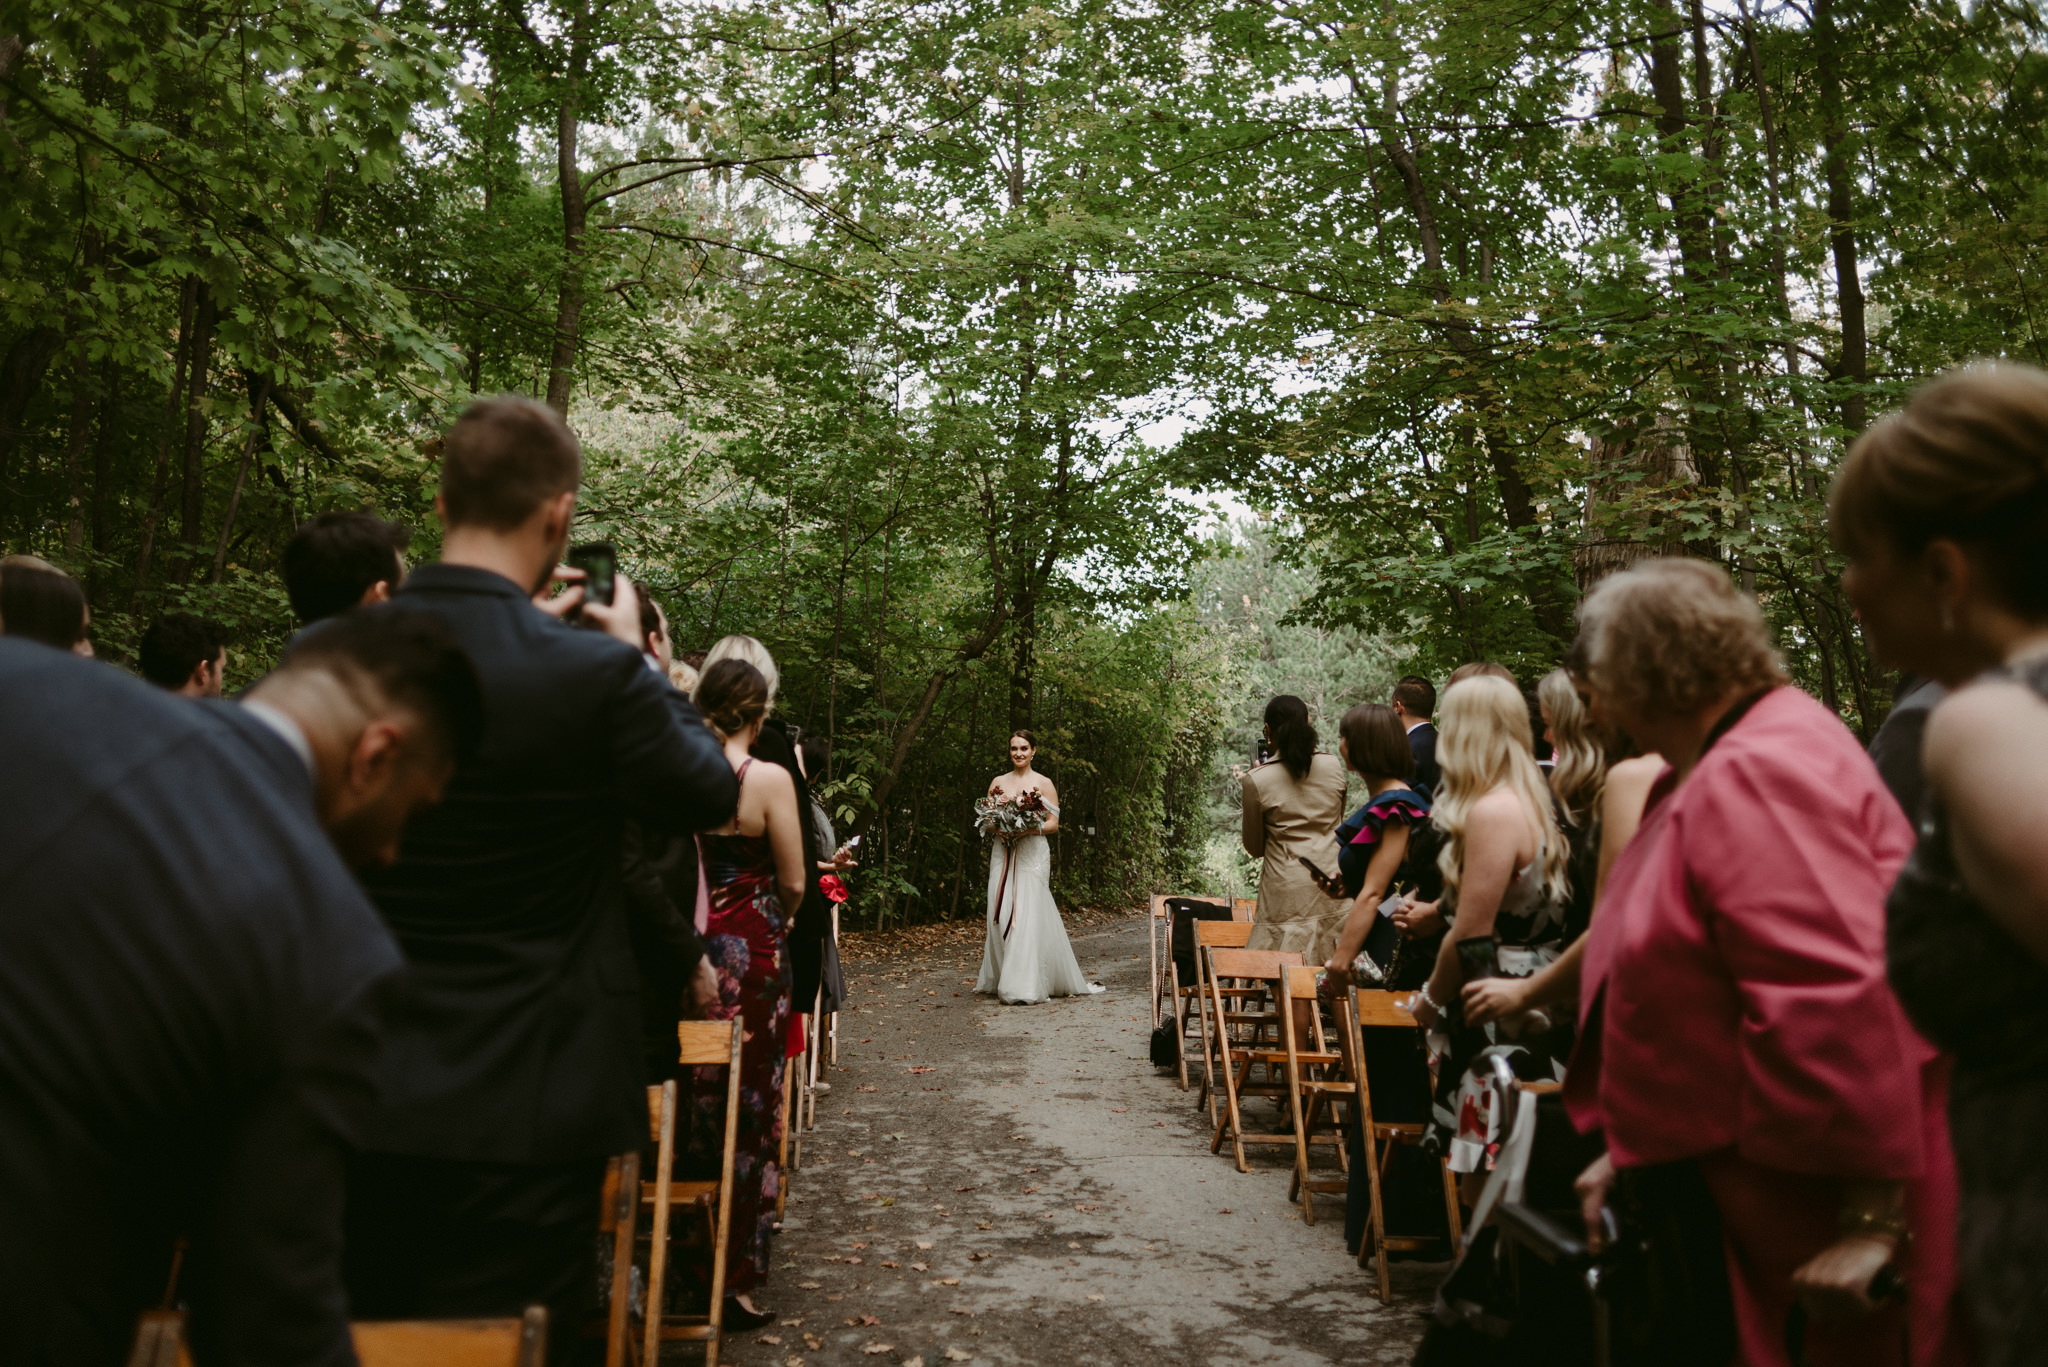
1755, 1080
1414, 703
185, 653
1942, 509
513, 1069
189, 979
336, 561
39, 602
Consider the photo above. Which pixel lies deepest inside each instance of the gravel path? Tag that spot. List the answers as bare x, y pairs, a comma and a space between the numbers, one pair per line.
1018, 1184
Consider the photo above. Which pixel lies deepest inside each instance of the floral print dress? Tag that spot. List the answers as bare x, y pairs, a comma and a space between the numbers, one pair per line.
745, 941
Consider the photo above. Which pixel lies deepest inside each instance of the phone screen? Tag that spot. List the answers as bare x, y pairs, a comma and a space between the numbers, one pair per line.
599, 564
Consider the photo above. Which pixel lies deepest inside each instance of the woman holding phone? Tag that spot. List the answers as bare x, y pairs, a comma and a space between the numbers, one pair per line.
1292, 804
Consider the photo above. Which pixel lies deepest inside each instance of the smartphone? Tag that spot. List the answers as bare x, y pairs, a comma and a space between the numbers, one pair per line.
600, 566
854, 843
1323, 880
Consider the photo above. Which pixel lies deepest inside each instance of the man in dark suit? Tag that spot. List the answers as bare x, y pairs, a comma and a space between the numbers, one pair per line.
188, 983
1414, 702
513, 1063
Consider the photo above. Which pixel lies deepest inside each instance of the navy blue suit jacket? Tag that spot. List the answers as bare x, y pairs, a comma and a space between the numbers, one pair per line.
515, 1034
1422, 743
188, 991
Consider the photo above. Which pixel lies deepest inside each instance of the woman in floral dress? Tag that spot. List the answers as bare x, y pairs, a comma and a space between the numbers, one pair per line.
754, 869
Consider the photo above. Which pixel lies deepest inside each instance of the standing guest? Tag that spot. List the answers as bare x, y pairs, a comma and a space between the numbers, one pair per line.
1503, 865
1292, 804
337, 561
39, 602
188, 984
1578, 778
185, 653
513, 1066
1943, 511
755, 867
1756, 1082
1414, 703
1896, 748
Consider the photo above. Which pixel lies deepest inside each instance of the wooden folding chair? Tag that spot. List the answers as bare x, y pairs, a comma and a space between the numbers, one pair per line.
704, 1044
1263, 970
1371, 1010
1244, 909
782, 1167
160, 1342
1159, 935
1192, 999
1313, 1093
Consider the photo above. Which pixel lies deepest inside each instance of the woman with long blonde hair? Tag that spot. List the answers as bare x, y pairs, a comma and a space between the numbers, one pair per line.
1503, 863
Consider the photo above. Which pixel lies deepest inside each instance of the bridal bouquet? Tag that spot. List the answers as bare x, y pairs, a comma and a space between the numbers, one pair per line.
1006, 818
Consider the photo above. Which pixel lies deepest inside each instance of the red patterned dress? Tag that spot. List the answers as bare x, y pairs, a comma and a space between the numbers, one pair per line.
744, 940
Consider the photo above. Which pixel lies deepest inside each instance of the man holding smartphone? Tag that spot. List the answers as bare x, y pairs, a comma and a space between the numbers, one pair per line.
511, 1067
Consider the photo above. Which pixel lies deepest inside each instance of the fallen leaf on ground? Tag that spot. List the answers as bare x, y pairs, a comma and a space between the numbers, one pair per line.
772, 1340
1071, 1244
920, 1267
976, 1257
1083, 1209
1120, 1110
947, 1281
924, 1243
958, 1355
1028, 1190
813, 1342
864, 1089
926, 1068
983, 1224
873, 1348
791, 1324
810, 1286
889, 1264
856, 1245
853, 1259
793, 1362
1224, 1211
1097, 1298
917, 1361
962, 1189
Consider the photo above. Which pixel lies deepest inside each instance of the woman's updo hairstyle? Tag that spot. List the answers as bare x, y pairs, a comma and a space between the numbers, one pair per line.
732, 695
1669, 636
753, 652
1293, 738
1967, 459
1023, 733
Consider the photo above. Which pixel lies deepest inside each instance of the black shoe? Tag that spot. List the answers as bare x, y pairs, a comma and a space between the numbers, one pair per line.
740, 1320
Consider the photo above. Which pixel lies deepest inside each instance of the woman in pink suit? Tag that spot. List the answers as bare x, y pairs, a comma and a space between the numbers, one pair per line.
1734, 1013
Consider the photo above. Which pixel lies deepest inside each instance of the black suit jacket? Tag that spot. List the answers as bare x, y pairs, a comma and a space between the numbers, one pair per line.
188, 979
1422, 742
514, 1037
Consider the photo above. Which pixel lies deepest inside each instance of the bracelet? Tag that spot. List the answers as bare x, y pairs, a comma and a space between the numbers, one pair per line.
1884, 1224
1434, 1004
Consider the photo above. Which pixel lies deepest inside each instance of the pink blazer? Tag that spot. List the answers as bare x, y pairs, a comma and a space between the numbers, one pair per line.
1734, 992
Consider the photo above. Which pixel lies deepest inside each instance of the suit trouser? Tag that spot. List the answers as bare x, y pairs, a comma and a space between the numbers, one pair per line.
436, 1238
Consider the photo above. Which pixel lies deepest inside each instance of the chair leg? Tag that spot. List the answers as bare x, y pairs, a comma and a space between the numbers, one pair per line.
657, 1247
1376, 1230
782, 1161
1451, 1206
625, 1210
1173, 1010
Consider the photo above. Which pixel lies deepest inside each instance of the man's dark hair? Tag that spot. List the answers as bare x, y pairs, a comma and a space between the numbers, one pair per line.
504, 458
175, 644
412, 657
331, 562
650, 616
39, 604
817, 752
1416, 695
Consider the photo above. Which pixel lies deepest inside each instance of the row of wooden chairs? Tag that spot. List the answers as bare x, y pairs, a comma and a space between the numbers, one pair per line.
1256, 1021
160, 1342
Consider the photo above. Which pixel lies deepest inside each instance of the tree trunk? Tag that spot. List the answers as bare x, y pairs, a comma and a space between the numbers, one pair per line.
21, 375
972, 649
74, 456
192, 481
575, 216
1840, 157
159, 483
259, 401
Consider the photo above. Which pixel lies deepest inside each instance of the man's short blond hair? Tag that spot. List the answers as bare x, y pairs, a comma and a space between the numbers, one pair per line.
1669, 637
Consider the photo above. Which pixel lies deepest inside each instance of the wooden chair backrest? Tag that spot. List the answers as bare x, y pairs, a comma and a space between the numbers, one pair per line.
1252, 963
1380, 1008
1222, 934
447, 1343
1244, 908
1301, 984
385, 1343
708, 1044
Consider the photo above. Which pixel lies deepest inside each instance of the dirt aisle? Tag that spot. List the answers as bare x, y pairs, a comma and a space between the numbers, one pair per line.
1017, 1184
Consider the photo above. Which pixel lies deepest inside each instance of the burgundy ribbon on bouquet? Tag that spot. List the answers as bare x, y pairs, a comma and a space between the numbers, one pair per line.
1009, 852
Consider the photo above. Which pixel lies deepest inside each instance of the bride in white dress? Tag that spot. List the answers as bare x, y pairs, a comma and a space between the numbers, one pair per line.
1026, 957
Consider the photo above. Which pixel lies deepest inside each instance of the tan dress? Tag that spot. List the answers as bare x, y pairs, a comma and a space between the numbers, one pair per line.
1285, 820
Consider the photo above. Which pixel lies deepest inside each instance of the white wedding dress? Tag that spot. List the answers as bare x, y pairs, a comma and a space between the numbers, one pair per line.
1027, 957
